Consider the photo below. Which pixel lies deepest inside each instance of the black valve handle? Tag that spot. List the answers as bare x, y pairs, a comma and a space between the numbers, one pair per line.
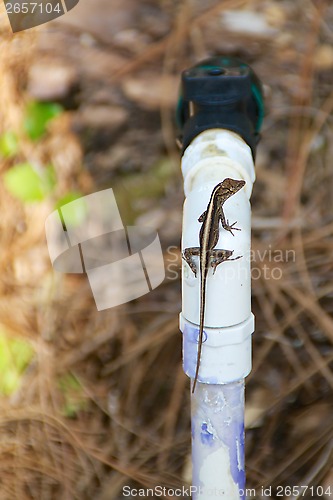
224, 93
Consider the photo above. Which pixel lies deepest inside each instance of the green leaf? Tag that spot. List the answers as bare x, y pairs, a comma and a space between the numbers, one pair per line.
68, 198
8, 145
74, 398
15, 356
37, 117
29, 185
75, 213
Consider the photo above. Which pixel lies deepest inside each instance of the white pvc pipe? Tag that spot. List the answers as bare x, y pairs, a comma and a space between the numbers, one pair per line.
218, 402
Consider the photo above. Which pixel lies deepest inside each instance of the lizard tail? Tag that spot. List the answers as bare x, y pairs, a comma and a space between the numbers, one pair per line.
202, 316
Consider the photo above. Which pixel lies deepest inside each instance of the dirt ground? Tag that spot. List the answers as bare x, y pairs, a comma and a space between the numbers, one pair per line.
103, 401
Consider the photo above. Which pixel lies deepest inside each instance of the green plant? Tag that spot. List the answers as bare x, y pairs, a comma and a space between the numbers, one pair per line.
75, 212
15, 356
37, 117
74, 398
9, 146
29, 184
26, 181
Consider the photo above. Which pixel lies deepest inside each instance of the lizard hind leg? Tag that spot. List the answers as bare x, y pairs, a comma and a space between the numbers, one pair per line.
188, 255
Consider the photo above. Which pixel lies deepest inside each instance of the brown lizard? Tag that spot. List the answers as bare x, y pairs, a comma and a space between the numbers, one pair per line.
208, 238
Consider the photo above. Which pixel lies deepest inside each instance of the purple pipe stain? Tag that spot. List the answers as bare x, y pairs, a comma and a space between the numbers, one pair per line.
190, 341
206, 436
236, 453
234, 437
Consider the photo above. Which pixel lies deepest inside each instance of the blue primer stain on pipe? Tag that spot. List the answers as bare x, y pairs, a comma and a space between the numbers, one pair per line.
206, 436
234, 438
237, 469
218, 421
191, 350
190, 347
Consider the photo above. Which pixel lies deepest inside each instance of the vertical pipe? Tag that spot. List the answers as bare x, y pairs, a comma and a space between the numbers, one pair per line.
218, 441
219, 113
217, 403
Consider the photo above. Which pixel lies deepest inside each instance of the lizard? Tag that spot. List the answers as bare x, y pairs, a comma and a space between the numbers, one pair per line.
208, 239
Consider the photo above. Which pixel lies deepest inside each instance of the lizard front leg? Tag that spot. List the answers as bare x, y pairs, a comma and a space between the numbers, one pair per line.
219, 255
188, 255
226, 225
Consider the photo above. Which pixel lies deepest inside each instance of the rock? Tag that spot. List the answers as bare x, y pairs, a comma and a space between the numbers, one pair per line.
50, 80
247, 22
102, 65
151, 92
101, 116
131, 40
323, 57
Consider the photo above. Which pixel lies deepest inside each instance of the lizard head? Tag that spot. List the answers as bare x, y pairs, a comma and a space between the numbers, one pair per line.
231, 186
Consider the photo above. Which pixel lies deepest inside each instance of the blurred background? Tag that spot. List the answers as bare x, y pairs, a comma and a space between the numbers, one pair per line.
93, 401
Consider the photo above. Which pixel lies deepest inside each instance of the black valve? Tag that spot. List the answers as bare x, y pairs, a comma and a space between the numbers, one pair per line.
224, 93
